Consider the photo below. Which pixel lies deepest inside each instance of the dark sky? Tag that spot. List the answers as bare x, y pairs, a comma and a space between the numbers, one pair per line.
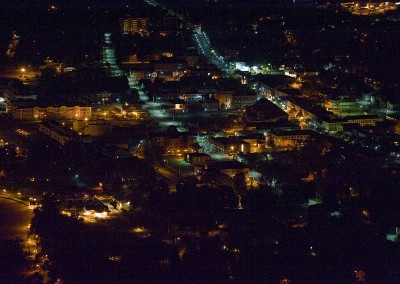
36, 3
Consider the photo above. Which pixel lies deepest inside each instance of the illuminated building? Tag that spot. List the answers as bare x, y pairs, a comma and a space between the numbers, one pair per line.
369, 7
224, 98
134, 25
174, 143
332, 125
61, 134
197, 158
51, 112
235, 100
366, 120
289, 139
342, 108
228, 145
193, 95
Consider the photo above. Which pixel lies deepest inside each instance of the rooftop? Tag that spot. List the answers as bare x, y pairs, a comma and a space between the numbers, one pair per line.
229, 165
293, 132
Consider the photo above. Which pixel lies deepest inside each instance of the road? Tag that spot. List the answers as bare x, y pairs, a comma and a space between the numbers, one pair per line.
201, 40
204, 47
15, 221
162, 116
15, 218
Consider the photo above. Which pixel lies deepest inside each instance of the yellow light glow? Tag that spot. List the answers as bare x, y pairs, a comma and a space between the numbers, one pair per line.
98, 215
138, 230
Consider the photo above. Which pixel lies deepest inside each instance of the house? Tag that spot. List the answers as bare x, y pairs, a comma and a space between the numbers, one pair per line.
228, 145
193, 96
343, 107
289, 139
174, 143
332, 125
58, 132
134, 25
366, 120
34, 113
270, 83
263, 110
389, 99
242, 98
197, 158
230, 168
235, 99
104, 97
203, 72
265, 126
116, 153
211, 104
169, 67
224, 99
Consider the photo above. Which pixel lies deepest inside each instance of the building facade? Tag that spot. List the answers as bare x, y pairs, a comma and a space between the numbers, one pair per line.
289, 139
134, 25
57, 132
51, 112
175, 144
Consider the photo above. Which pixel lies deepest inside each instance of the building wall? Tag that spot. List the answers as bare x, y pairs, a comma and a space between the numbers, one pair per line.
342, 108
176, 145
211, 105
233, 147
288, 141
57, 133
233, 172
134, 25
239, 102
332, 126
63, 112
193, 97
364, 121
198, 160
224, 99
255, 147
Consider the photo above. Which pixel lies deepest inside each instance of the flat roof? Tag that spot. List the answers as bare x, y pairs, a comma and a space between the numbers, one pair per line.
293, 132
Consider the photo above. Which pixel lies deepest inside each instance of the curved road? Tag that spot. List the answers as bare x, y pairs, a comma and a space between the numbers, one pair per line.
15, 217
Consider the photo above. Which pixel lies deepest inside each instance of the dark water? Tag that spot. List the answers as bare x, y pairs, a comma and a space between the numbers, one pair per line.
14, 219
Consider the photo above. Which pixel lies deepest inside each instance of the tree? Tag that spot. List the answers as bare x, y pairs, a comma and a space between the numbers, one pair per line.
226, 197
186, 184
153, 153
239, 182
12, 260
214, 179
260, 200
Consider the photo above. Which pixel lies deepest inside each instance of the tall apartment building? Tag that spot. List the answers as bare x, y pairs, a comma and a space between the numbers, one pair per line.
134, 25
